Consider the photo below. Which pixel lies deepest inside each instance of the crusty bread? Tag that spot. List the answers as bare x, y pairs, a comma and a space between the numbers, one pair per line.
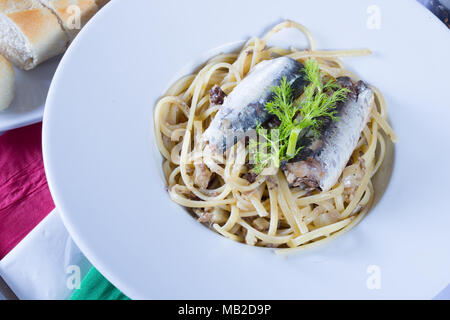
29, 33
66, 10
6, 83
101, 3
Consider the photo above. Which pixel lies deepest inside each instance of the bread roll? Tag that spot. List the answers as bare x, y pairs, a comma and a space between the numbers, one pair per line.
29, 33
101, 3
6, 83
67, 11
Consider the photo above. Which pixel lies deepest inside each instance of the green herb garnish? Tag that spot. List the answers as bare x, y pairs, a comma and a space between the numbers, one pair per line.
317, 103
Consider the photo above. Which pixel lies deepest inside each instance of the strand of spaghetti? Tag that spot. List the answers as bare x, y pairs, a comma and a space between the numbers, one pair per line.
234, 172
175, 156
172, 176
227, 65
370, 153
166, 169
223, 57
366, 136
172, 115
300, 55
384, 125
159, 142
239, 64
292, 24
177, 102
288, 209
362, 141
258, 47
308, 214
285, 232
198, 77
262, 212
178, 133
359, 192
183, 159
313, 214
263, 236
226, 234
209, 195
273, 225
303, 247
168, 129
311, 245
187, 139
207, 75
203, 104
237, 184
248, 214
214, 167
366, 197
232, 219
250, 42
327, 204
210, 156
183, 190
242, 203
320, 196
173, 134
347, 73
192, 110
180, 86
381, 102
239, 162
287, 213
207, 113
336, 61
339, 202
198, 203
196, 154
224, 193
278, 51
297, 192
172, 127
237, 231
194, 84
291, 202
331, 71
326, 65
250, 238
320, 232
227, 87
382, 153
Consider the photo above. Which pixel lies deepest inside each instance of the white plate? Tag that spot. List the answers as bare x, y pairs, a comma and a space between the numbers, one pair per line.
105, 175
31, 88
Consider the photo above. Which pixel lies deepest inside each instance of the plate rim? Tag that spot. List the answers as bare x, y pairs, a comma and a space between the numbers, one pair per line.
105, 270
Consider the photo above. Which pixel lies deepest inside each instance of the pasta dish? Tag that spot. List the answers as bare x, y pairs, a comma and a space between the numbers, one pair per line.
274, 147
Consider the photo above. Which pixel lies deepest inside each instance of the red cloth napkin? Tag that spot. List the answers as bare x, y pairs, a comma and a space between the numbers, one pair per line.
24, 195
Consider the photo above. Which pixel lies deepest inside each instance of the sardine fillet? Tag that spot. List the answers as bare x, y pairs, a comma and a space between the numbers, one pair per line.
244, 107
320, 163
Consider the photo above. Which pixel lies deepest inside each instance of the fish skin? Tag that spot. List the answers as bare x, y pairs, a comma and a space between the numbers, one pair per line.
244, 107
321, 162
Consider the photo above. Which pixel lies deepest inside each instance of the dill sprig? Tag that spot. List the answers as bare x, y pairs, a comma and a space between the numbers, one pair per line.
317, 103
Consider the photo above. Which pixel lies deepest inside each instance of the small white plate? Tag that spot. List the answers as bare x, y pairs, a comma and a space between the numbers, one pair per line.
104, 171
31, 88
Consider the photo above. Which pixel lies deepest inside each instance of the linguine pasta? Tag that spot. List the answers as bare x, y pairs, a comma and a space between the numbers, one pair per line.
265, 212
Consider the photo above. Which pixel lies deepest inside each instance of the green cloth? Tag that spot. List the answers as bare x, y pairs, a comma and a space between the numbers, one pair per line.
95, 287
